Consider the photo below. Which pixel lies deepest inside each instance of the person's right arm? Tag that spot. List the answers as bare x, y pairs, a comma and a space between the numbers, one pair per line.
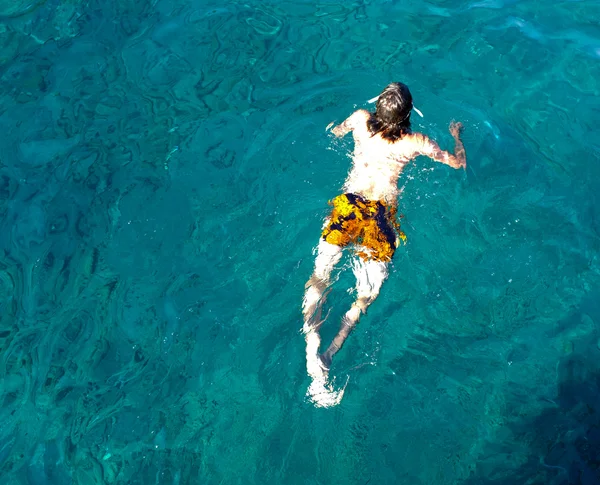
429, 148
350, 123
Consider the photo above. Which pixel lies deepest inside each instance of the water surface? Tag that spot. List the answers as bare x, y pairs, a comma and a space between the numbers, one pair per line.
164, 173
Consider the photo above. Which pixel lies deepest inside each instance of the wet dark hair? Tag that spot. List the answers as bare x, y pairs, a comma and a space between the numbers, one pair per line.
392, 116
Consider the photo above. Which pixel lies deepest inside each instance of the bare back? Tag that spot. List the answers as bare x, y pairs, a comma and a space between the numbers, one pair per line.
378, 163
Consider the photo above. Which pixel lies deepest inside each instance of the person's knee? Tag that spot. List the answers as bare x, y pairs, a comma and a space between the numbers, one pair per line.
362, 303
317, 282
352, 316
311, 298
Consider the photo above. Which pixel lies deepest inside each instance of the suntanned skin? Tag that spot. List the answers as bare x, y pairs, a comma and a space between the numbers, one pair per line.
377, 165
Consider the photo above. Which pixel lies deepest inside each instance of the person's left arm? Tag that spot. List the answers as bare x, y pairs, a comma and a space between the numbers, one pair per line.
350, 123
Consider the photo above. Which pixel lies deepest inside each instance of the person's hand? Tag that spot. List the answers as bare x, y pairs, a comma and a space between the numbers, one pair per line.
334, 130
459, 150
337, 131
455, 129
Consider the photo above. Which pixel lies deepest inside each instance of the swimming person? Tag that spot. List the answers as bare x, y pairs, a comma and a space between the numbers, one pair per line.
364, 217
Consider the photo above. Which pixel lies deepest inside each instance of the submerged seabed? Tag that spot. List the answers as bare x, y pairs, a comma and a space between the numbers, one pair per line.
163, 176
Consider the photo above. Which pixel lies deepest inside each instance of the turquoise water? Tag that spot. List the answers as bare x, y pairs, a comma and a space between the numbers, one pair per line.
164, 174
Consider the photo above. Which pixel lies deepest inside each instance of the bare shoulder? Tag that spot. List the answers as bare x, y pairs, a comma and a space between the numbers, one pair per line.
415, 140
358, 121
355, 121
361, 115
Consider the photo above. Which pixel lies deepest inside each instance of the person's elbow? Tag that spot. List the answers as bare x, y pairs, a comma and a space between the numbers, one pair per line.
339, 131
458, 162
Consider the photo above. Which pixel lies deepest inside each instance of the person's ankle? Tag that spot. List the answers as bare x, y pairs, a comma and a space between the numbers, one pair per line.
326, 357
325, 360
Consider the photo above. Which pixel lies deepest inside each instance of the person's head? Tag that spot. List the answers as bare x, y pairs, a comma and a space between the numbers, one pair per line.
392, 116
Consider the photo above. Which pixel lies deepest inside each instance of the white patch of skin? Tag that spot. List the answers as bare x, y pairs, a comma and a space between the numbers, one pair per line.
377, 165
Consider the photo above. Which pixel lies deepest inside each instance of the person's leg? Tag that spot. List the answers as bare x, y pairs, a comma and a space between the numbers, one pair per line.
327, 257
370, 275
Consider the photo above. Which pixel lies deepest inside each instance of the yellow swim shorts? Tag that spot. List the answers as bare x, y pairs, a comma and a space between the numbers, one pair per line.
365, 223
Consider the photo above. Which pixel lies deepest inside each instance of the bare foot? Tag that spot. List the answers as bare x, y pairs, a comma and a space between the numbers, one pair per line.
323, 394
